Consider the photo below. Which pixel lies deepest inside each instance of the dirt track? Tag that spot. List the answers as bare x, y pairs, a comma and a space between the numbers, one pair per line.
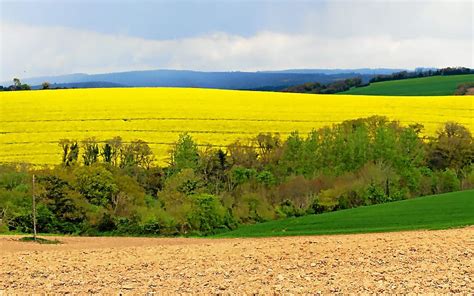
418, 261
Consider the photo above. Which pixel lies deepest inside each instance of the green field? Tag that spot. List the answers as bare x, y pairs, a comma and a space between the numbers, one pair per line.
426, 86
430, 212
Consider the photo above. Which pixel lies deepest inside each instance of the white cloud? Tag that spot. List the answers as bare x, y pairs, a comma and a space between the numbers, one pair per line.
396, 18
28, 51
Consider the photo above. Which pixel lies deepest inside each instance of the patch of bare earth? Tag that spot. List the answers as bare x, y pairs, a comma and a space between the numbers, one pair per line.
470, 91
400, 262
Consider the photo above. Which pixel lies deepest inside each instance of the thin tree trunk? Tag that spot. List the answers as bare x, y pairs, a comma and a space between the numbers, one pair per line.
34, 209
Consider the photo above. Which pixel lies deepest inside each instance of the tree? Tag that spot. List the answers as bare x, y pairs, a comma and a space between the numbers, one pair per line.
207, 213
143, 154
136, 154
242, 154
70, 151
91, 151
212, 166
25, 87
292, 154
17, 85
45, 85
96, 184
268, 147
127, 197
185, 154
453, 148
60, 198
111, 151
446, 181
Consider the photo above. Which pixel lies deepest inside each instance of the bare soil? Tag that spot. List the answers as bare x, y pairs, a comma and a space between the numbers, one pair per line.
400, 262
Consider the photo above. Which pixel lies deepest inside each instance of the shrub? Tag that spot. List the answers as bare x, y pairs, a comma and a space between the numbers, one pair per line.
3, 227
251, 207
327, 200
207, 213
128, 225
96, 184
446, 181
288, 209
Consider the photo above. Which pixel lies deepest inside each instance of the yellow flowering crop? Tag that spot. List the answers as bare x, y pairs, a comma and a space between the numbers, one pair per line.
32, 122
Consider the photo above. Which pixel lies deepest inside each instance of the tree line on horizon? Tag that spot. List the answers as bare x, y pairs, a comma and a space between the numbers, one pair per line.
117, 187
330, 88
421, 73
347, 84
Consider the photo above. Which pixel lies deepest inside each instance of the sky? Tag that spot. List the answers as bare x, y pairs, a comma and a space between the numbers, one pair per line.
55, 37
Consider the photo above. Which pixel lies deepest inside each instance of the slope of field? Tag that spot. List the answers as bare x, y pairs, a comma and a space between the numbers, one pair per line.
426, 86
429, 212
422, 262
32, 122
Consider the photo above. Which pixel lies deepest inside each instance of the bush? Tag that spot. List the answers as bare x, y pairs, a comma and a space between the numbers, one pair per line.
446, 181
128, 225
376, 194
207, 213
327, 200
107, 223
251, 207
288, 209
96, 184
3, 227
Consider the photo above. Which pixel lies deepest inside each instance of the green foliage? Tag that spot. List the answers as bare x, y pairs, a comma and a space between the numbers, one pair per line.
330, 88
287, 209
13, 180
252, 208
96, 184
118, 189
45, 85
91, 151
40, 240
185, 154
70, 150
446, 181
266, 178
207, 214
213, 166
61, 200
111, 151
136, 154
453, 148
17, 85
240, 175
3, 227
327, 200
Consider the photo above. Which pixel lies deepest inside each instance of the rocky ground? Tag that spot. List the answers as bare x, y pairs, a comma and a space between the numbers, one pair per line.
399, 262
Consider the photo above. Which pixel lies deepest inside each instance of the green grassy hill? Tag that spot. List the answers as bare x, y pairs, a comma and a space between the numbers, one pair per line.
426, 86
429, 212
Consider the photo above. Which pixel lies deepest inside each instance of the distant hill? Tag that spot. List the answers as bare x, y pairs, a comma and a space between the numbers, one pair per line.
265, 80
359, 71
426, 86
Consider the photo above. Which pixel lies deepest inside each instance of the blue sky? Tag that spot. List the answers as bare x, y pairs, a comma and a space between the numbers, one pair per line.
60, 37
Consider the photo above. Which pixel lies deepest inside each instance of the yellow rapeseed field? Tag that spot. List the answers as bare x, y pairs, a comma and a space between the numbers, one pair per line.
32, 122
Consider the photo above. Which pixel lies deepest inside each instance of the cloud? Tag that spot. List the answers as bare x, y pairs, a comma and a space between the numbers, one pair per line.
28, 51
396, 18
